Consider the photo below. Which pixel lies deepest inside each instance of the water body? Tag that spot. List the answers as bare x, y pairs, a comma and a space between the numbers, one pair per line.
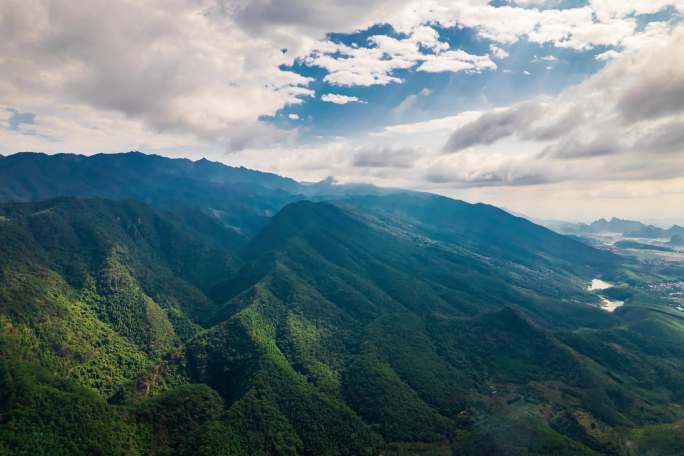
598, 284
605, 304
610, 306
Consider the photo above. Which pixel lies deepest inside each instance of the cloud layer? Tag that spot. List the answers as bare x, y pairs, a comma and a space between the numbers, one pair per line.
168, 65
211, 69
634, 106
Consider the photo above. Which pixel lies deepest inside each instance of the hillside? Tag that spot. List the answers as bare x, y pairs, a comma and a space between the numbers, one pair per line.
392, 323
100, 288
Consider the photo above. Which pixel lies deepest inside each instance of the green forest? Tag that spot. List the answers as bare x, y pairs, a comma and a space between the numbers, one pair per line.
151, 306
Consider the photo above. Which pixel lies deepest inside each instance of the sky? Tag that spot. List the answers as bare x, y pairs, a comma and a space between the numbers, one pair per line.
557, 109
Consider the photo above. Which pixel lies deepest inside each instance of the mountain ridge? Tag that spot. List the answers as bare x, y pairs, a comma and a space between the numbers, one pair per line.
384, 323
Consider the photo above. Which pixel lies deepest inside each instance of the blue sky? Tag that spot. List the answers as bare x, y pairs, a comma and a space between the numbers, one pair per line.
555, 108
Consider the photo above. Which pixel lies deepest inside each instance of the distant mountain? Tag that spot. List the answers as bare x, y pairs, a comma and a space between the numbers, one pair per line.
615, 225
242, 198
37, 176
627, 228
677, 240
178, 316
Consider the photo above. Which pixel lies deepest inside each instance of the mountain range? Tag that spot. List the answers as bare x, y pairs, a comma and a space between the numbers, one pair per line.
155, 306
627, 228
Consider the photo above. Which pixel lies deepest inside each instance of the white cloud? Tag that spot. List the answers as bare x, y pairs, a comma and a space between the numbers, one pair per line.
498, 52
340, 99
441, 124
620, 8
538, 3
209, 69
653, 35
293, 116
83, 129
632, 109
376, 64
601, 23
455, 61
164, 65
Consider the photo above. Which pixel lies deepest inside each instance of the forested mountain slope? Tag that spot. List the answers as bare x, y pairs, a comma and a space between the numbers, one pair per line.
243, 198
401, 323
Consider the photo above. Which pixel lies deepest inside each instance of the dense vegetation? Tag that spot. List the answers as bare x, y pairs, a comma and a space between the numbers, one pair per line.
372, 324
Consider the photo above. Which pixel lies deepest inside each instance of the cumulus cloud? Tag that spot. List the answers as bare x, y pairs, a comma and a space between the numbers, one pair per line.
569, 147
297, 24
428, 127
340, 99
667, 137
163, 64
211, 69
492, 126
84, 129
658, 92
497, 52
653, 35
618, 8
592, 22
584, 137
455, 61
616, 111
376, 64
